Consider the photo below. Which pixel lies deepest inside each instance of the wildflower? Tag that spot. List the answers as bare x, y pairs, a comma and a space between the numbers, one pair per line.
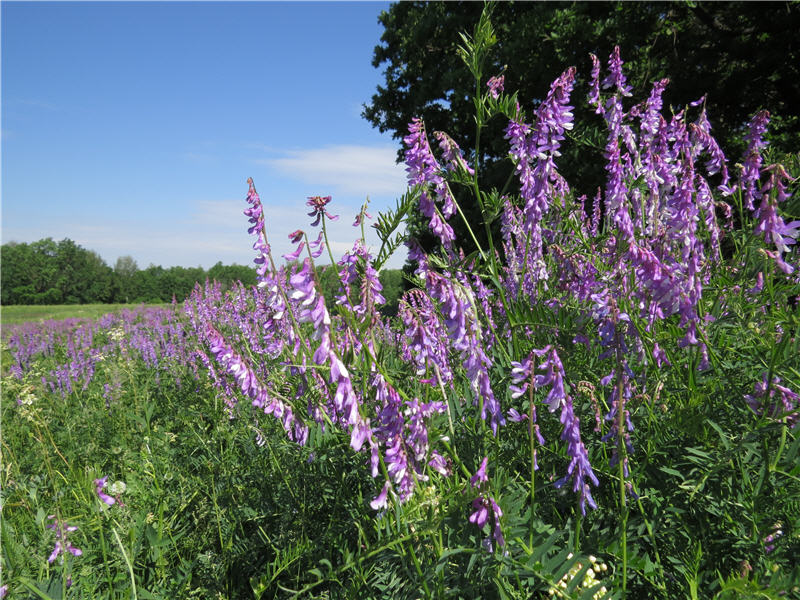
62, 543
770, 224
318, 204
380, 501
540, 146
480, 475
99, 485
485, 507
769, 541
424, 170
452, 153
495, 85
760, 402
579, 469
751, 168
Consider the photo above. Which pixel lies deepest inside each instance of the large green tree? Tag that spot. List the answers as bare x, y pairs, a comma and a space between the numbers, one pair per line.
744, 55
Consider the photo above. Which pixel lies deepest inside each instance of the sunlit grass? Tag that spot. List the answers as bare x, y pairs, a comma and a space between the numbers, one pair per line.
14, 315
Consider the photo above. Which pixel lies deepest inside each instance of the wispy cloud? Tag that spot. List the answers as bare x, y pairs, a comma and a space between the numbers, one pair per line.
349, 169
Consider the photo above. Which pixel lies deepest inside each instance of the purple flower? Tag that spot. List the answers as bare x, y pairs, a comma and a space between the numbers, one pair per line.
495, 85
62, 543
484, 507
775, 231
380, 501
515, 417
424, 170
751, 168
318, 204
480, 475
579, 469
100, 484
452, 153
539, 146
761, 402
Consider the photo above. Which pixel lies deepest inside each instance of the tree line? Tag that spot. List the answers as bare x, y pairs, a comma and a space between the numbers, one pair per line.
50, 272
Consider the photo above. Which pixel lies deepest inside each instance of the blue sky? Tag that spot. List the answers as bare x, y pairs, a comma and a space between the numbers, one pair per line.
131, 128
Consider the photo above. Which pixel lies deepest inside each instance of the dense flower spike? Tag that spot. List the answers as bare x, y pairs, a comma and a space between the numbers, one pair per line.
534, 150
751, 169
424, 170
579, 469
770, 224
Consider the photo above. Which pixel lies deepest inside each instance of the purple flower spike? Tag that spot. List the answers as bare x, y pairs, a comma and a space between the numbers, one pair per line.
752, 158
485, 506
424, 170
100, 484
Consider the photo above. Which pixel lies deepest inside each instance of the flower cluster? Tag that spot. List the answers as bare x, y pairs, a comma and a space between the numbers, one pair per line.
485, 507
763, 402
63, 544
424, 170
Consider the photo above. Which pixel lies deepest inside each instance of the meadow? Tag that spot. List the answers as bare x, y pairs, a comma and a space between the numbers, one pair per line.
600, 401
29, 313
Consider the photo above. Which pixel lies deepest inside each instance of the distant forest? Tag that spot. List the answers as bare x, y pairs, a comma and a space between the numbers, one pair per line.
49, 272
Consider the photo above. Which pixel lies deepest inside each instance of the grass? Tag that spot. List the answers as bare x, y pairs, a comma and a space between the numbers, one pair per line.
14, 315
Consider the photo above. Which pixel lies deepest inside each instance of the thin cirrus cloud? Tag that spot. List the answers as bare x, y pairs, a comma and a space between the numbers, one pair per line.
347, 169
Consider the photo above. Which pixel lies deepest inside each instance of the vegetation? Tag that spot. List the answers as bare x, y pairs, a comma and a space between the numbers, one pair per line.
595, 403
741, 56
48, 273
39, 313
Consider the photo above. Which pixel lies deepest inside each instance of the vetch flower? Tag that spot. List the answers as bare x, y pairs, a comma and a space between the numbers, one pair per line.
318, 204
62, 542
380, 501
99, 485
480, 477
485, 507
424, 170
495, 85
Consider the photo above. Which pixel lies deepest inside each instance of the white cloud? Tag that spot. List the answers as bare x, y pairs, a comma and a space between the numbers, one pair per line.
350, 169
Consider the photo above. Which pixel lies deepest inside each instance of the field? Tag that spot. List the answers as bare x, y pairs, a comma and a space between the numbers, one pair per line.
599, 401
14, 315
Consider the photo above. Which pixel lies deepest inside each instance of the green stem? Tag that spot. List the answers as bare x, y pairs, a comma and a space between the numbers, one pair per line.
127, 562
533, 450
621, 470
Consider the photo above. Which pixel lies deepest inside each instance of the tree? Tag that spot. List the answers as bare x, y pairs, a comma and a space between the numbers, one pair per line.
125, 270
744, 56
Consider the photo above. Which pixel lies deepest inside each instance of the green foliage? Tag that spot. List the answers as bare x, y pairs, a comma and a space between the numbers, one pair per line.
217, 503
